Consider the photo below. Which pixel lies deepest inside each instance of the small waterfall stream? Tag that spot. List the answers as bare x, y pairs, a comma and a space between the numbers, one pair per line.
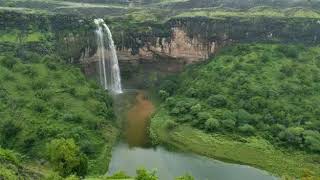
109, 71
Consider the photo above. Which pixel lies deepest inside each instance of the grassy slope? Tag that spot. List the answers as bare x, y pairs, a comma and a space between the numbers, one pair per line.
219, 77
253, 151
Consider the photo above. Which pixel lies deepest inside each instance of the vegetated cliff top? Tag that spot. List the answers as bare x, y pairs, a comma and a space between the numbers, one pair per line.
161, 10
238, 4
189, 4
259, 11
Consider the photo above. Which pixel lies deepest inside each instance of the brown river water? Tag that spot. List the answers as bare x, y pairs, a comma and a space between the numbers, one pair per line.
136, 130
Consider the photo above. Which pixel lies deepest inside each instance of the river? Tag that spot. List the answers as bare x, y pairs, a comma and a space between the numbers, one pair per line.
133, 151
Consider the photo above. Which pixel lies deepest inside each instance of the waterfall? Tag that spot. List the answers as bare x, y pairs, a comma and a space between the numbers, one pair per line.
108, 66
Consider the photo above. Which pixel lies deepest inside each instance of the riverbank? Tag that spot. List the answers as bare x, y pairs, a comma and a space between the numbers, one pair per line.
134, 151
252, 151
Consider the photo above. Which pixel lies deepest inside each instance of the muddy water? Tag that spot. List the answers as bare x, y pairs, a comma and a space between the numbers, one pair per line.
132, 152
136, 130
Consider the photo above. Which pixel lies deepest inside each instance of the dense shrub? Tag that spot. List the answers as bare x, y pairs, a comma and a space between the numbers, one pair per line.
228, 124
292, 135
66, 158
247, 129
8, 62
143, 174
289, 51
169, 86
70, 117
312, 140
163, 94
217, 101
39, 106
29, 71
9, 130
171, 124
212, 124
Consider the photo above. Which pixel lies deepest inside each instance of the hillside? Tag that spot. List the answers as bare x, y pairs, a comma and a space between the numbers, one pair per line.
268, 92
45, 104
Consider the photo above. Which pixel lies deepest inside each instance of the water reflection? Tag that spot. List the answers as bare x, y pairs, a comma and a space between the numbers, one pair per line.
172, 164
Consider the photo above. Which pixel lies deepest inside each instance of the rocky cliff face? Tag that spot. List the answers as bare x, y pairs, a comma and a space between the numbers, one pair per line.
196, 39
178, 46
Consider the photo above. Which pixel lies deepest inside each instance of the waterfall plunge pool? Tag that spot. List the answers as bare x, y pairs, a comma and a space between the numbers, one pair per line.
132, 152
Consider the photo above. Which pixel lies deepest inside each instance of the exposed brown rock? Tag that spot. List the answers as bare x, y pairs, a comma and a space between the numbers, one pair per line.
179, 46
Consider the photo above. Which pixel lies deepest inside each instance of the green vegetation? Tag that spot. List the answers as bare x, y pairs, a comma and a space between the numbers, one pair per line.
253, 104
11, 167
66, 158
162, 10
260, 11
19, 36
251, 99
50, 111
252, 150
141, 174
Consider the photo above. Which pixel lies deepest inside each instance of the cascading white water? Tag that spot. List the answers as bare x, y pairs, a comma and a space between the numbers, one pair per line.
109, 71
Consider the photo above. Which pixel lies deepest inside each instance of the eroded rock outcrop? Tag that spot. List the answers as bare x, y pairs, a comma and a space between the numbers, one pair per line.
178, 46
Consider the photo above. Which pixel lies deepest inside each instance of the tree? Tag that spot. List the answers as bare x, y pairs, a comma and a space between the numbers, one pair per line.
228, 124
196, 109
171, 124
170, 102
169, 86
312, 140
212, 124
66, 158
9, 130
276, 129
192, 92
185, 118
203, 116
163, 94
243, 117
217, 101
247, 129
71, 117
9, 61
292, 135
289, 51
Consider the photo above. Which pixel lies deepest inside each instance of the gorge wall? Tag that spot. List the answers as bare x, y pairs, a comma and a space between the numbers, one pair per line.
186, 39
146, 51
